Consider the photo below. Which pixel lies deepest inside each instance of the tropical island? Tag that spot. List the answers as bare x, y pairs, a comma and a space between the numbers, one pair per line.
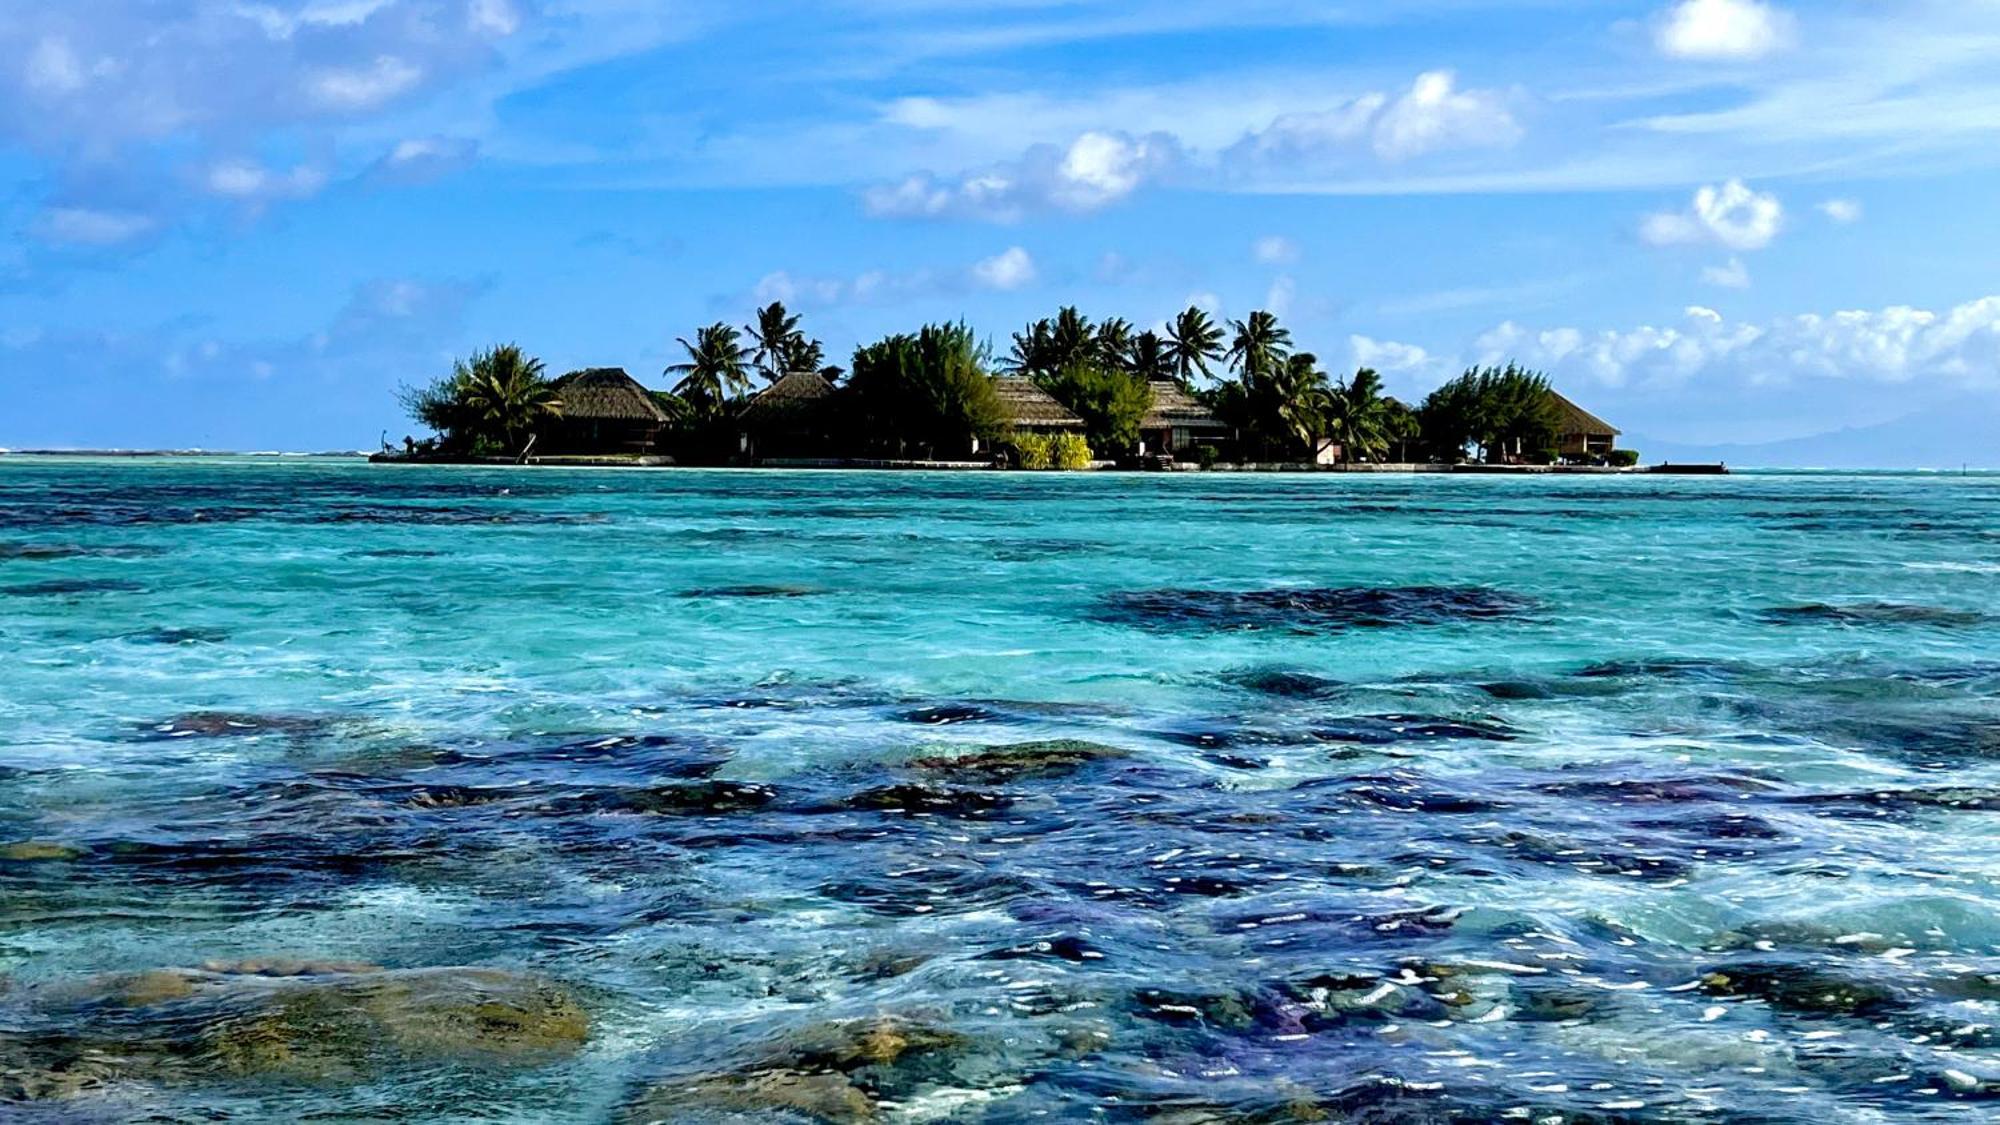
1069, 393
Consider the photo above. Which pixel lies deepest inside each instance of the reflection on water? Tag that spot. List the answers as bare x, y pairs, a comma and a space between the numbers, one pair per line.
436, 795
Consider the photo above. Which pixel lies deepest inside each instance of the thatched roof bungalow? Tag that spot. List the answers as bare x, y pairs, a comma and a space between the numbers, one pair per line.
1030, 409
1582, 435
604, 410
1178, 421
788, 418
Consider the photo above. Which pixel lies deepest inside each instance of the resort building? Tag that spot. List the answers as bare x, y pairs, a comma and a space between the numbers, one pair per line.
1582, 436
1177, 423
604, 410
1030, 409
789, 418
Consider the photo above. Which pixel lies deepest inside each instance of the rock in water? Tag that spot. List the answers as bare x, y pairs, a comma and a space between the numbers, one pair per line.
1022, 759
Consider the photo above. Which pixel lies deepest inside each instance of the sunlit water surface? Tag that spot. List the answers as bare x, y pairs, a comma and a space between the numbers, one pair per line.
1396, 798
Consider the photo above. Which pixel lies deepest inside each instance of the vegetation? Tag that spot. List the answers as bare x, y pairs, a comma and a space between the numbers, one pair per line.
931, 394
1622, 458
1501, 411
714, 371
489, 404
1070, 452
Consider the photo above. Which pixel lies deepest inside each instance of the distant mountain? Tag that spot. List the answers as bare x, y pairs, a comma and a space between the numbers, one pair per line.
1964, 433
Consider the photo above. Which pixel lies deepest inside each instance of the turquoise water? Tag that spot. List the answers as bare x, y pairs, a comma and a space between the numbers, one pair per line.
1394, 798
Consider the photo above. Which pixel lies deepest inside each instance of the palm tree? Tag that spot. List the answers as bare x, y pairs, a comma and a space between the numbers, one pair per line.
802, 354
1193, 342
1259, 347
1114, 342
1149, 358
1302, 400
1033, 352
1360, 417
775, 334
1072, 338
714, 368
503, 395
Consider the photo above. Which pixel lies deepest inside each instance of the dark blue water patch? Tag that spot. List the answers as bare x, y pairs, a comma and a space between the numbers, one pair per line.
1669, 669
1864, 614
1307, 611
1899, 803
395, 553
175, 635
72, 587
752, 592
954, 714
1285, 683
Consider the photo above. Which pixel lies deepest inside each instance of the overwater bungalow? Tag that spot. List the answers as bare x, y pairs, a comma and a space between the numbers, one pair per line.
1581, 435
604, 410
1177, 423
1031, 410
789, 418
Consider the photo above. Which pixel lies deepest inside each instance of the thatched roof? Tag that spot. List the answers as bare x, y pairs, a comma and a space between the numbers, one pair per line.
1173, 406
1577, 420
1028, 405
794, 391
606, 394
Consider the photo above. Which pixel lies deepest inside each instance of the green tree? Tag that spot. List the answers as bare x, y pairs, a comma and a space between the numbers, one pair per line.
1193, 342
1401, 429
1114, 343
1148, 358
1111, 401
776, 335
493, 401
714, 370
1504, 411
1260, 346
930, 391
1358, 417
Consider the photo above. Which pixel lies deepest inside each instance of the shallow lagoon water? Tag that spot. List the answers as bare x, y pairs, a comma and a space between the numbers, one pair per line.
1342, 798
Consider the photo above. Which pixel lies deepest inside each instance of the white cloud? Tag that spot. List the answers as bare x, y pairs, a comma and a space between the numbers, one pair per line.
1959, 347
1722, 29
495, 17
1275, 250
85, 226
1842, 211
1432, 115
366, 87
1093, 171
1731, 216
418, 160
1010, 269
1731, 275
1436, 115
251, 181
1392, 358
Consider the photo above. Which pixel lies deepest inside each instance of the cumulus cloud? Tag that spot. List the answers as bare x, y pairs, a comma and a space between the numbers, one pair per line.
1008, 270
1011, 269
1393, 359
1731, 216
1959, 347
1091, 172
1722, 29
1275, 250
1842, 211
363, 87
1433, 115
1730, 275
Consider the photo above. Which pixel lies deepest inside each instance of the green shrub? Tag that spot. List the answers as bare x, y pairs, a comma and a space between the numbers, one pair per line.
1622, 458
1206, 456
1032, 450
1070, 452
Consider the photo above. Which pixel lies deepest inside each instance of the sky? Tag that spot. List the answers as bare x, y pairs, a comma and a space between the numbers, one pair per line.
235, 224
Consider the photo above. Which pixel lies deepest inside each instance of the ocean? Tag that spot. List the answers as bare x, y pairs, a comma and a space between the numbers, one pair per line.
332, 791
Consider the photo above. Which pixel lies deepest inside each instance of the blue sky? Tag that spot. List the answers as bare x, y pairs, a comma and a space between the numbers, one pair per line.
240, 224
